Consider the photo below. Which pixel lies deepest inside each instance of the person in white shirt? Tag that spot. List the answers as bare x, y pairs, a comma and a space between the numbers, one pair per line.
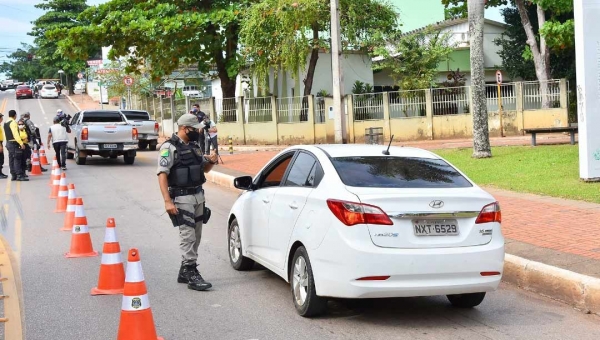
58, 134
210, 126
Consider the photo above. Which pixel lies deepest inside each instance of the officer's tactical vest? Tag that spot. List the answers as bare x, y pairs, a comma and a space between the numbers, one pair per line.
7, 131
188, 168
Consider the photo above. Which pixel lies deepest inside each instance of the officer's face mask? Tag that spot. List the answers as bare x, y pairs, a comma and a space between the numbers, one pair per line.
21, 126
192, 134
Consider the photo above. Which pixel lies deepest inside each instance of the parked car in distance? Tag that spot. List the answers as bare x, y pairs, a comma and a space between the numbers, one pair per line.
104, 133
147, 128
49, 91
23, 91
351, 221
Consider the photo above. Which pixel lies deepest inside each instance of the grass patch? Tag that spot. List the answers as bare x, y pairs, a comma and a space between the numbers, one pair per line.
551, 170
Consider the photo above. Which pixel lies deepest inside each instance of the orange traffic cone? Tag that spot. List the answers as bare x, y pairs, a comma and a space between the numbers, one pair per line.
36, 169
81, 242
71, 206
63, 195
56, 184
136, 315
43, 158
54, 171
112, 275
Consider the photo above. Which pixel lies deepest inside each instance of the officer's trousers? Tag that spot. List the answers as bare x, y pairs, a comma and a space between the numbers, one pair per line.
15, 156
189, 222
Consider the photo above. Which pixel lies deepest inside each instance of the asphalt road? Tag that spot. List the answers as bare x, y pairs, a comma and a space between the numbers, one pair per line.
251, 305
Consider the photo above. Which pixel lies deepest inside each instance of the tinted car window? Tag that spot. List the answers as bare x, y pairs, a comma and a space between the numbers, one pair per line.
22, 87
275, 176
49, 87
102, 117
136, 115
303, 166
398, 172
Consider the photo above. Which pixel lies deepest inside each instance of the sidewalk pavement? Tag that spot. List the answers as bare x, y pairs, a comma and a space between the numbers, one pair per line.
554, 243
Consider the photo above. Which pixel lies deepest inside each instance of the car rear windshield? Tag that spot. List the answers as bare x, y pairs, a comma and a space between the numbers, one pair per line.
22, 87
136, 115
102, 117
398, 172
49, 87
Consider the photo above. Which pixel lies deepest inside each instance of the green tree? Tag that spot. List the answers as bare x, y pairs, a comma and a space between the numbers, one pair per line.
413, 58
113, 80
21, 68
283, 34
163, 35
48, 30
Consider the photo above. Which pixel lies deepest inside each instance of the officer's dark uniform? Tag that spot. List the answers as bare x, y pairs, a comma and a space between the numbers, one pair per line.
184, 166
15, 152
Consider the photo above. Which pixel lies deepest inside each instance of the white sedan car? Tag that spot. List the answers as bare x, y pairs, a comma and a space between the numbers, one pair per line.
350, 221
49, 91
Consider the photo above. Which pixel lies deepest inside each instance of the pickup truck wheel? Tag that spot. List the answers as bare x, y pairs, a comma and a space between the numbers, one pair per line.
152, 147
129, 159
142, 145
70, 155
79, 160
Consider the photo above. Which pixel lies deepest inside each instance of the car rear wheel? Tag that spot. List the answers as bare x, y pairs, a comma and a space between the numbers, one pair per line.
142, 145
466, 300
152, 146
237, 260
302, 283
79, 159
129, 159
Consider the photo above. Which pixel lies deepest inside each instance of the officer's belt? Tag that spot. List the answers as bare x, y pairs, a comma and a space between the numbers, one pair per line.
176, 192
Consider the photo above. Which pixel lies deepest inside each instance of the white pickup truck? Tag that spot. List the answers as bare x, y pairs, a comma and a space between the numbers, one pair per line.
147, 128
104, 133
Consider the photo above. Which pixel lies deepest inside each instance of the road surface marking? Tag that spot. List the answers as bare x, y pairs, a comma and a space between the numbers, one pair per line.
11, 286
3, 105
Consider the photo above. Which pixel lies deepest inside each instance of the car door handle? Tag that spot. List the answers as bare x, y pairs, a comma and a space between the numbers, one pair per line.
293, 206
265, 200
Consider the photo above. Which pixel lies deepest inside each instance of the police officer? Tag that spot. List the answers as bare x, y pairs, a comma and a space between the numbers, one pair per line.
15, 147
35, 140
181, 168
2, 175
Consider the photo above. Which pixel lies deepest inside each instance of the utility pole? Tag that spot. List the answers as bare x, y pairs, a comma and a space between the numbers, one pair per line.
338, 83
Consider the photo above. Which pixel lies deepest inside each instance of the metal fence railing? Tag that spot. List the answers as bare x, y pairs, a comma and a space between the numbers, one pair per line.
226, 109
319, 108
508, 95
258, 109
407, 104
537, 94
450, 100
367, 106
292, 109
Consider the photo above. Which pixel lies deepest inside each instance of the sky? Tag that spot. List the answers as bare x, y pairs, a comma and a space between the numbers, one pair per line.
16, 17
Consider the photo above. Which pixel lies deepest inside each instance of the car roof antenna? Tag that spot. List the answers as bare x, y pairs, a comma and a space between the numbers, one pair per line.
387, 151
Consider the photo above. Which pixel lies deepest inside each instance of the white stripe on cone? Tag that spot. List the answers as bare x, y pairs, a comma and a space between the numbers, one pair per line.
71, 208
135, 303
110, 236
114, 258
134, 272
80, 229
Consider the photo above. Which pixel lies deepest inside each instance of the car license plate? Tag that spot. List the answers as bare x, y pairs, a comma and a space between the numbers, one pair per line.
110, 146
435, 227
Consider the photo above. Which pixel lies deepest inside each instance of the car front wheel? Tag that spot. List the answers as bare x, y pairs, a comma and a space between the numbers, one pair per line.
302, 281
79, 160
237, 260
466, 300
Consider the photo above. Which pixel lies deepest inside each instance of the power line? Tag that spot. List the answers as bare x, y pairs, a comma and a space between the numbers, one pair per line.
18, 9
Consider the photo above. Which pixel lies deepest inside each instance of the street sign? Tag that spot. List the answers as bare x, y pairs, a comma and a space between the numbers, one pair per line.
498, 77
128, 81
80, 75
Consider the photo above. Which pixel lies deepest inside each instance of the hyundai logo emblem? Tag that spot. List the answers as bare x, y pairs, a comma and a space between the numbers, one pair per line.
436, 204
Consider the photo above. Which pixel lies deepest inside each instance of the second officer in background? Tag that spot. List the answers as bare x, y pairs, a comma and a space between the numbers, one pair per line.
181, 168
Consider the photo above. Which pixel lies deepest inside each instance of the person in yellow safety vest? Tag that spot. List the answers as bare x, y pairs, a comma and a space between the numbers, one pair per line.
24, 134
15, 147
2, 175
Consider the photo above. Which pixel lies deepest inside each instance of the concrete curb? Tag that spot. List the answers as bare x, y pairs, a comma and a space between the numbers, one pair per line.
578, 290
73, 103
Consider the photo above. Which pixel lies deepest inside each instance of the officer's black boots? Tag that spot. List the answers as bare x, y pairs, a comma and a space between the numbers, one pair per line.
2, 175
189, 274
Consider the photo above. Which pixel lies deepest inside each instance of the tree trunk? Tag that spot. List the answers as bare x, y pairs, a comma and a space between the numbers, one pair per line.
541, 53
312, 64
481, 136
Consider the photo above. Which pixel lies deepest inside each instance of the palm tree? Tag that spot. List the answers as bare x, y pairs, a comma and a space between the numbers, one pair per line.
481, 137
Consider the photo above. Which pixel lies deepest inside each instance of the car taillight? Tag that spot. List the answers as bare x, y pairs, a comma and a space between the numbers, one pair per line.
351, 213
134, 133
490, 213
84, 133
156, 127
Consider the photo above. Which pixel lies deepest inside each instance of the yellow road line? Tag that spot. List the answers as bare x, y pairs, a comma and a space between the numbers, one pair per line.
3, 105
11, 286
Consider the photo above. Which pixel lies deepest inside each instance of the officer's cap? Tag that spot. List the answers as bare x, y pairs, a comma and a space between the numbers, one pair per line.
190, 120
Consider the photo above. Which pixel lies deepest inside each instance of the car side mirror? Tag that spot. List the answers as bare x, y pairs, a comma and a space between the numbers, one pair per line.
243, 183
